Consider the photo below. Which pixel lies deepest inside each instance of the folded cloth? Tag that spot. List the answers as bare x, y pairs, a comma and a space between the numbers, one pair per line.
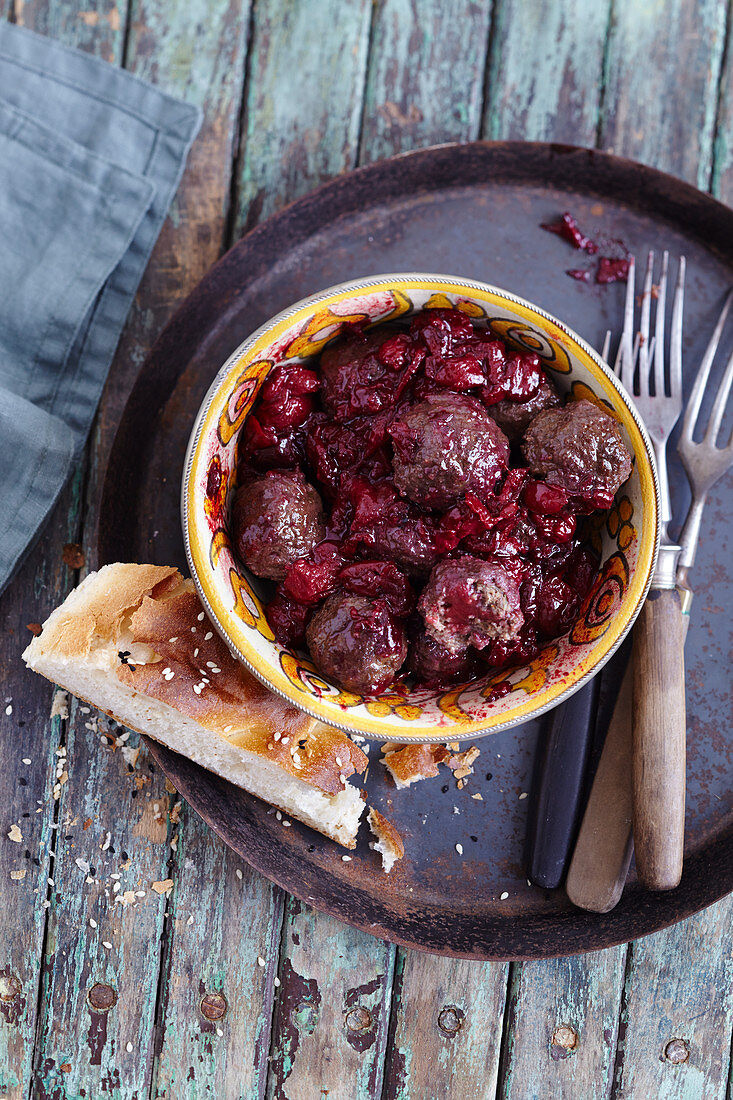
90, 159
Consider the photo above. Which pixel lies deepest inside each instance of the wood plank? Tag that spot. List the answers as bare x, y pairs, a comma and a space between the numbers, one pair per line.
446, 1028
196, 52
28, 733
563, 1024
43, 582
661, 84
722, 175
426, 75
106, 920
97, 26
545, 70
303, 103
679, 988
332, 1009
216, 1007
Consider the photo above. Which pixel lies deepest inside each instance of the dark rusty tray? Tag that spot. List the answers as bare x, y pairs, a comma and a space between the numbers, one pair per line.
471, 210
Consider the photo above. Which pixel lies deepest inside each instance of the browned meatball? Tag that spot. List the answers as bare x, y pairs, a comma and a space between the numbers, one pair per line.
514, 417
446, 446
357, 642
354, 381
580, 448
468, 601
277, 519
432, 663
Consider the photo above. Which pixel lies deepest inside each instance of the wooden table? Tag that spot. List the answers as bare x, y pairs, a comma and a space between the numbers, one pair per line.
171, 969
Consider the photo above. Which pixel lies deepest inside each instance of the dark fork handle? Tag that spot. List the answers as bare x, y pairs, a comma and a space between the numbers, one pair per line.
558, 787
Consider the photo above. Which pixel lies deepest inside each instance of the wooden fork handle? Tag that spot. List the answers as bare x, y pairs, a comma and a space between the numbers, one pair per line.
659, 736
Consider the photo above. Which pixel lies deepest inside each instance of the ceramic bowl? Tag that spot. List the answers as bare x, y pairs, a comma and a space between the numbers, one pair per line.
627, 536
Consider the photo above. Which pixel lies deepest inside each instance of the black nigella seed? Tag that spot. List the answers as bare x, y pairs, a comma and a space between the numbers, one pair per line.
26, 814
124, 856
474, 839
311, 847
23, 782
21, 724
445, 789
489, 775
92, 871
36, 861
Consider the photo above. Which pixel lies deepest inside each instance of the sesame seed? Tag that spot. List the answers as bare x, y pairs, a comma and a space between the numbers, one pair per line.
200, 617
195, 653
285, 740
504, 896
166, 671
276, 982
459, 849
278, 736
228, 729
338, 761
193, 629
197, 688
219, 1031
168, 675
26, 760
216, 670
523, 795
346, 859
128, 1047
260, 960
278, 815
286, 824
9, 709
107, 944
210, 664
171, 640
92, 922
208, 636
238, 873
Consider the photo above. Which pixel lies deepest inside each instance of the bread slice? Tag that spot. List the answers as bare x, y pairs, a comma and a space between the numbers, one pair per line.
133, 640
388, 843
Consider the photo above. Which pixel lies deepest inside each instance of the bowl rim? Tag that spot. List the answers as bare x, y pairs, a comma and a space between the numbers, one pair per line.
373, 728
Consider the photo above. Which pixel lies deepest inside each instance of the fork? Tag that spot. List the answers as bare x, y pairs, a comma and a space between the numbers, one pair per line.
659, 719
603, 850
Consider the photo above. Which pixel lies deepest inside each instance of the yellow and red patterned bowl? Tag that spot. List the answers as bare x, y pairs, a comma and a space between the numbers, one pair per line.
627, 537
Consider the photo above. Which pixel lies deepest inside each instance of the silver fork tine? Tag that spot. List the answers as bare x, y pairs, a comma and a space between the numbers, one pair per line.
646, 297
659, 328
624, 366
721, 400
675, 336
606, 346
698, 389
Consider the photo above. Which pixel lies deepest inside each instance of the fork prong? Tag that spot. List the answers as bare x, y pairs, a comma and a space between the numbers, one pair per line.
606, 346
721, 400
698, 388
625, 359
675, 337
646, 296
659, 388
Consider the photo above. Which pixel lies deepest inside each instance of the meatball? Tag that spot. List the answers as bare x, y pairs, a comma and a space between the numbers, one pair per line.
357, 642
514, 417
277, 519
445, 446
468, 601
432, 663
581, 449
354, 380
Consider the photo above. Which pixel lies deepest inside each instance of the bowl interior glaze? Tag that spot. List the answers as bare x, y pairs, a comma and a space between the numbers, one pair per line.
627, 537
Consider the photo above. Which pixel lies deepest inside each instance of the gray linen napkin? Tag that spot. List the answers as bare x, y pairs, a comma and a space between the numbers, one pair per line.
90, 158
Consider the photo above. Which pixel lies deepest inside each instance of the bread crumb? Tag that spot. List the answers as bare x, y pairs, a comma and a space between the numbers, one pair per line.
15, 834
477, 797
16, 876
162, 887
60, 704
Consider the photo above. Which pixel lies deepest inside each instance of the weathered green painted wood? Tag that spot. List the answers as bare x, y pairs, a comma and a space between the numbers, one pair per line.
105, 932
225, 923
661, 84
545, 70
680, 986
722, 176
303, 103
563, 1024
446, 1028
426, 75
331, 1011
196, 51
97, 26
29, 811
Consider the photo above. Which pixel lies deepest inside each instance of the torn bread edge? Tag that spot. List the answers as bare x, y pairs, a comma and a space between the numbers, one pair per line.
388, 841
229, 724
